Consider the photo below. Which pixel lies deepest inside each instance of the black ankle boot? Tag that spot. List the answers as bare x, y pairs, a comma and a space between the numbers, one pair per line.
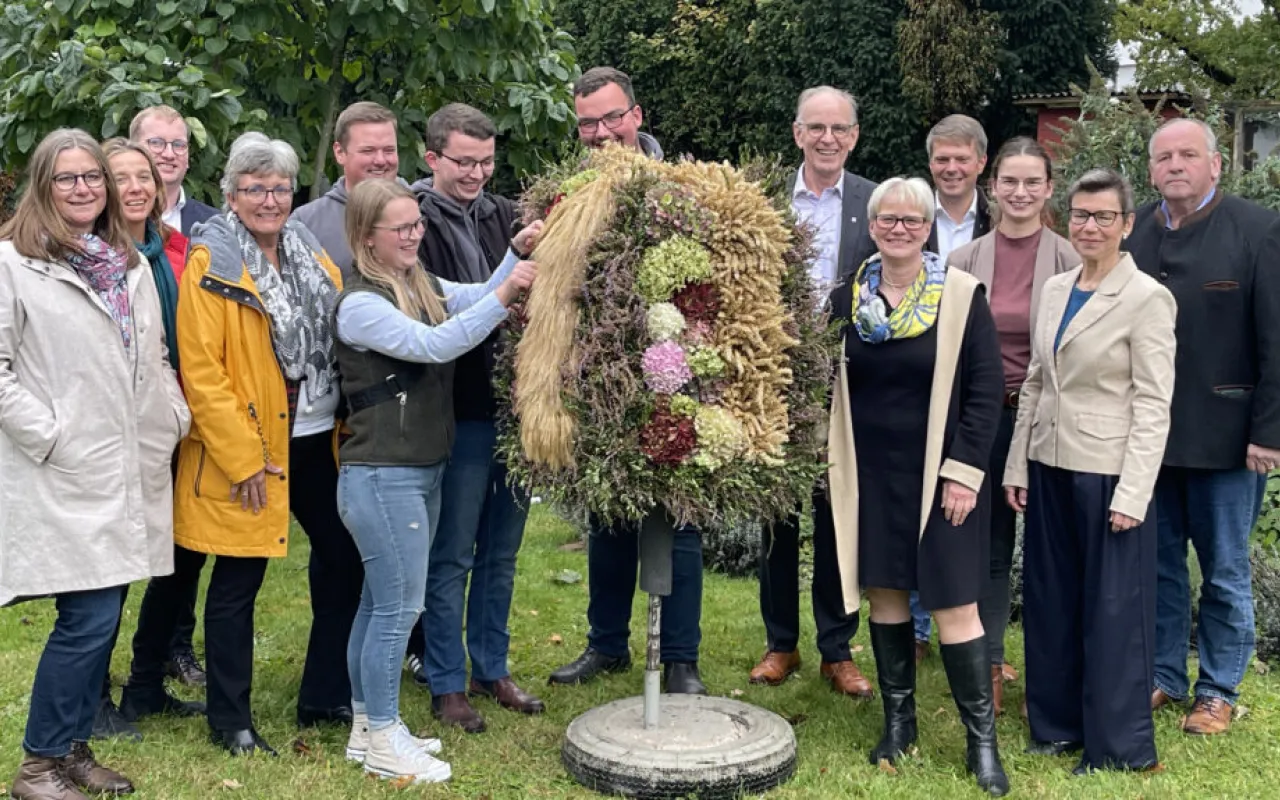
895, 651
968, 669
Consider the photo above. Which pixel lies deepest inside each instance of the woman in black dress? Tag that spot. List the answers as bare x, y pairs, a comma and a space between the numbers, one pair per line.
914, 414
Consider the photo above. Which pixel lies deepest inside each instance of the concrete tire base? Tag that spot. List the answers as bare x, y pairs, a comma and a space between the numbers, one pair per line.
704, 747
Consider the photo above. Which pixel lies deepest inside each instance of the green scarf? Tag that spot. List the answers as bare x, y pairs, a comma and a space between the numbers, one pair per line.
166, 285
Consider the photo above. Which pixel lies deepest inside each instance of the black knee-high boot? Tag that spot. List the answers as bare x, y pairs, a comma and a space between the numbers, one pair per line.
895, 650
968, 668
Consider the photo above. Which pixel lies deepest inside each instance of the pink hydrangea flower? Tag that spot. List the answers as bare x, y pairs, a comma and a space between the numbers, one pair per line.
665, 369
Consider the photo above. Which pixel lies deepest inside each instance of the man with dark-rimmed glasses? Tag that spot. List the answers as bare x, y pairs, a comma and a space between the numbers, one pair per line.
607, 111
481, 517
164, 132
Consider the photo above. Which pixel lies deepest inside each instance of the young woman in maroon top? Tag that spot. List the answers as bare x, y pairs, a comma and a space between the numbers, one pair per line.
1013, 262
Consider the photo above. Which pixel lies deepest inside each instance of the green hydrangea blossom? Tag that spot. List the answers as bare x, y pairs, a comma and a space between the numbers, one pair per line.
664, 322
575, 183
720, 437
685, 406
705, 362
669, 265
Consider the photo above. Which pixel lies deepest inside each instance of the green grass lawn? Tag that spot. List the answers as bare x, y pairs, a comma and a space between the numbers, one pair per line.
520, 757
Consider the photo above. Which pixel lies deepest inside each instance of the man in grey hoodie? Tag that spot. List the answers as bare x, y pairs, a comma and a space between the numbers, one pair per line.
607, 111
364, 145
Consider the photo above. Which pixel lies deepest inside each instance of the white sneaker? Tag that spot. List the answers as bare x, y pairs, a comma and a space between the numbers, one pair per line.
358, 741
393, 753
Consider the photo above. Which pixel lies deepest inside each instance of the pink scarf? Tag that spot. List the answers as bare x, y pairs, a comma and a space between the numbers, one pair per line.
103, 268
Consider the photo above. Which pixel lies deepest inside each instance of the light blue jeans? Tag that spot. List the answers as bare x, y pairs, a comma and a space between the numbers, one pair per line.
392, 513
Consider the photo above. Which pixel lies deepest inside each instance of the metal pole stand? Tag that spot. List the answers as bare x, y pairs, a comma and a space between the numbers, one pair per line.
675, 745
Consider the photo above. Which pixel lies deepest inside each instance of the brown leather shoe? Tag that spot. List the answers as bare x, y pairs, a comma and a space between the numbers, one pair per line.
1209, 716
997, 689
508, 695
775, 667
922, 650
1159, 700
42, 779
82, 769
454, 709
846, 679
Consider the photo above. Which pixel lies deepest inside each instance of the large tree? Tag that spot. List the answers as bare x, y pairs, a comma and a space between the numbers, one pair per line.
1202, 46
286, 67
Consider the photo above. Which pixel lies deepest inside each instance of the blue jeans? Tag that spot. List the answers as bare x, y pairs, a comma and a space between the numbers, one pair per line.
920, 619
481, 527
72, 667
391, 513
612, 560
1215, 510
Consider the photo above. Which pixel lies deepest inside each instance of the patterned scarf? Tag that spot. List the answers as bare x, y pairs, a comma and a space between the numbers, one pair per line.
103, 268
915, 315
299, 298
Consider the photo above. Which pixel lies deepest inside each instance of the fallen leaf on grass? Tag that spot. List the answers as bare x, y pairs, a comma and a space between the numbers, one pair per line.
1240, 710
737, 693
1261, 667
886, 767
300, 747
556, 639
232, 783
822, 771
857, 648
533, 612
403, 782
568, 577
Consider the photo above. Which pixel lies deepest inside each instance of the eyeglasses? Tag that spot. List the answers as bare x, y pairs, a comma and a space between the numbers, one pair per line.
612, 121
1012, 184
406, 231
66, 181
468, 164
1105, 219
157, 145
817, 130
888, 222
258, 194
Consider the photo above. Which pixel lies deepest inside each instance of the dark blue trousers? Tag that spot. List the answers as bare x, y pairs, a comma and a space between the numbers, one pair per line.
1089, 600
612, 563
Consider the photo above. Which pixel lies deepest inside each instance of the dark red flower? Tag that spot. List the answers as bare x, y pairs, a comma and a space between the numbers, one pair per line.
668, 438
699, 302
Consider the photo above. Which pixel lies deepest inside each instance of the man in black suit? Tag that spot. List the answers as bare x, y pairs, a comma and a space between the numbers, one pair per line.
834, 201
957, 148
164, 132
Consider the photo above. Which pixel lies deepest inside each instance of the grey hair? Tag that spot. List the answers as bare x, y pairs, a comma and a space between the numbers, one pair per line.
815, 91
1210, 138
253, 153
914, 191
1103, 180
958, 128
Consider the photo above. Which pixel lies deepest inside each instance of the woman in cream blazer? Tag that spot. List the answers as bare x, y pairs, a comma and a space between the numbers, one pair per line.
1092, 421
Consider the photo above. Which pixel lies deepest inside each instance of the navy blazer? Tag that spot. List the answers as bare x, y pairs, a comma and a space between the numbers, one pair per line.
194, 211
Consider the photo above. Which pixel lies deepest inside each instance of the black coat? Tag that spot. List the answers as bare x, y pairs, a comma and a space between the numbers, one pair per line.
473, 371
1223, 268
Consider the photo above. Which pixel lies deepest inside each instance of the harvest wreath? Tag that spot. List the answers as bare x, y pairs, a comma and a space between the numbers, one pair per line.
672, 352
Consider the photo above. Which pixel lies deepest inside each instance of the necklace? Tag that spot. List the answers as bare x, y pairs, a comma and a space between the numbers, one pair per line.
885, 280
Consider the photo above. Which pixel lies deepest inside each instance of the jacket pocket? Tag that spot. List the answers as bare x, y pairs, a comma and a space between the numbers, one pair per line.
1234, 391
1103, 426
1221, 286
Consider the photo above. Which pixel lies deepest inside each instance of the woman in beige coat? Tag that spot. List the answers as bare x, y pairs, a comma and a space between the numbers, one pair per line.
90, 413
1092, 422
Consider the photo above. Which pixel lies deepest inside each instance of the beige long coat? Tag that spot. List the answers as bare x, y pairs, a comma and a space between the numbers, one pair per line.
87, 431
